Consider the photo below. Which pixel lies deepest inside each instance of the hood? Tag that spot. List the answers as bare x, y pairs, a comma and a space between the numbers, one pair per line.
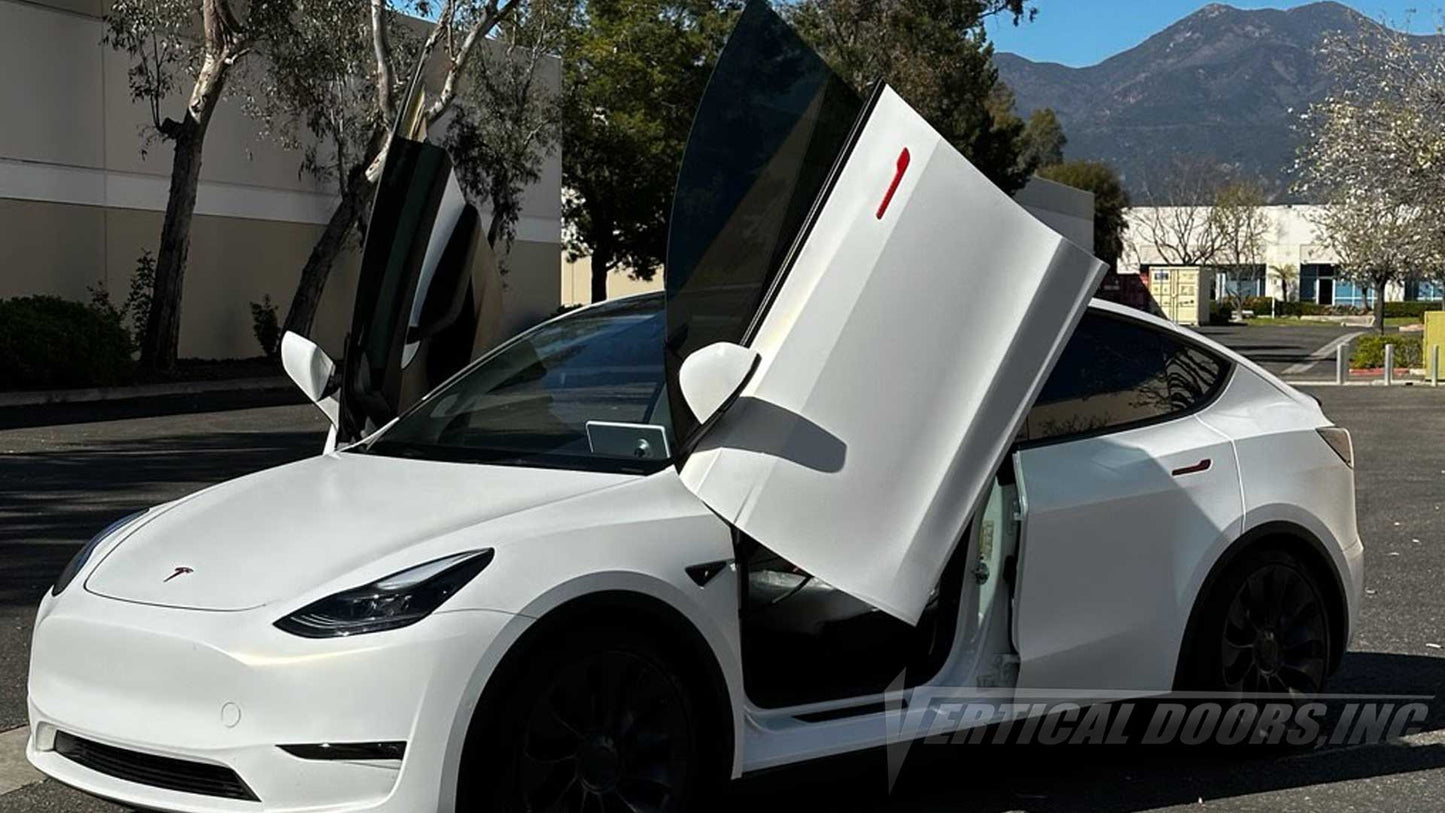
280, 532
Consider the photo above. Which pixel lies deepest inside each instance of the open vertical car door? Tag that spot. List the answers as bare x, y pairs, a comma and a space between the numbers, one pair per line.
428, 293
903, 310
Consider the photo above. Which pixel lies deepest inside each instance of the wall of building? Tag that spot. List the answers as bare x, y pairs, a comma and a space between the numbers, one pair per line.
82, 194
1067, 210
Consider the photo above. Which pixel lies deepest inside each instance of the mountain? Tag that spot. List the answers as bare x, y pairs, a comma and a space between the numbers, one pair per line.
1223, 85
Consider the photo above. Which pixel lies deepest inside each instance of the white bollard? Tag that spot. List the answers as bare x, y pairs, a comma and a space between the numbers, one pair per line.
1340, 370
1389, 364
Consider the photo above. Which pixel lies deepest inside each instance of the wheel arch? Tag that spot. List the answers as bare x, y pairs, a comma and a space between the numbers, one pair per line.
1303, 544
671, 628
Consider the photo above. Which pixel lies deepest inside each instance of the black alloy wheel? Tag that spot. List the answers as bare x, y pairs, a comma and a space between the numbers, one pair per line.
599, 720
1276, 636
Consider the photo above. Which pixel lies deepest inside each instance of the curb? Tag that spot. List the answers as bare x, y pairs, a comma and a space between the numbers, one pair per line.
44, 397
15, 769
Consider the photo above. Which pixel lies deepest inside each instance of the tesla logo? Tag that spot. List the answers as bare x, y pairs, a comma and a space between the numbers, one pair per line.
180, 571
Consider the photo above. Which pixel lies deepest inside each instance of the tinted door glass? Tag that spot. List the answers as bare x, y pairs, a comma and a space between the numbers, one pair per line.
1116, 373
771, 124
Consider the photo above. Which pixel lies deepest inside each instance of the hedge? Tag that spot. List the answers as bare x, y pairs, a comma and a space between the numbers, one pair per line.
1370, 351
1414, 310
47, 342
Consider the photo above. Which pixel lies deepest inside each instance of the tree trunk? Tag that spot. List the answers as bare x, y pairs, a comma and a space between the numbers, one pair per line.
602, 261
162, 336
1380, 306
163, 324
349, 210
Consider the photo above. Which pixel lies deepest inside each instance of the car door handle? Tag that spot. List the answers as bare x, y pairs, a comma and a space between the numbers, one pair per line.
1202, 465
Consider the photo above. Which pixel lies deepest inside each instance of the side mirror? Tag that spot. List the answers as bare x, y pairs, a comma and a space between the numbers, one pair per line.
713, 375
312, 370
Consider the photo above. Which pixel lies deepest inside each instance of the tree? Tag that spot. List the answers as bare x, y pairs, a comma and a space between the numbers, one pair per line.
1238, 217
633, 74
1043, 140
936, 54
508, 119
1177, 220
1288, 276
1372, 153
370, 42
1110, 202
1377, 241
161, 38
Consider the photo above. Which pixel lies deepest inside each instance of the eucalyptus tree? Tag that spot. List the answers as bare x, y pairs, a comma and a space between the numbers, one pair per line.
356, 82
193, 47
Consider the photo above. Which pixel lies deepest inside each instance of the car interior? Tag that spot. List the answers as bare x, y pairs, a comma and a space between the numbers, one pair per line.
805, 641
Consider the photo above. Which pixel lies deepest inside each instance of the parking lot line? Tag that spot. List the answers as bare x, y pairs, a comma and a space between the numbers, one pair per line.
1322, 354
15, 770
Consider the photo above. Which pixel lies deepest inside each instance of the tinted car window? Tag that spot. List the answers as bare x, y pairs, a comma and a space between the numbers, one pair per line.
1116, 373
530, 401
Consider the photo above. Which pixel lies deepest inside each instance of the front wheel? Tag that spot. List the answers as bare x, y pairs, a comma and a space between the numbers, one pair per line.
596, 722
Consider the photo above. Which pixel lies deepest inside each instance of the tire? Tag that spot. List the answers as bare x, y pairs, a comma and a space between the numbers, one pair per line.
599, 718
1263, 628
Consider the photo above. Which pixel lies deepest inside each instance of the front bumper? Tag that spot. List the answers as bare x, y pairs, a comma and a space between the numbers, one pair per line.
228, 688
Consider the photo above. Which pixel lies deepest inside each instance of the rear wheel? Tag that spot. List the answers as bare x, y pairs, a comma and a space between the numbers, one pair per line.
1263, 629
600, 721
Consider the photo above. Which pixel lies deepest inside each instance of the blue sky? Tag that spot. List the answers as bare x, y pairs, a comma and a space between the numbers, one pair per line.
1083, 32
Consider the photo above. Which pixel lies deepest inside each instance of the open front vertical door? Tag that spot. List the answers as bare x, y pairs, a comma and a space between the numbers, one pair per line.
904, 310
428, 292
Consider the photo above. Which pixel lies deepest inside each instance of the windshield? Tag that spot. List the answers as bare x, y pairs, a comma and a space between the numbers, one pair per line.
531, 401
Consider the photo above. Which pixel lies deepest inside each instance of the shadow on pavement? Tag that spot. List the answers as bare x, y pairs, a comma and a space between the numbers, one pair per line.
17, 417
993, 779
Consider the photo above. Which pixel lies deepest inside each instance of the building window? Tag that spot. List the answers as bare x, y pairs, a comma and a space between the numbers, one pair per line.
1422, 291
1351, 294
1316, 283
1243, 281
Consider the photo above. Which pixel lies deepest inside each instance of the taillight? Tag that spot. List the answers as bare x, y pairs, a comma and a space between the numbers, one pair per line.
1339, 440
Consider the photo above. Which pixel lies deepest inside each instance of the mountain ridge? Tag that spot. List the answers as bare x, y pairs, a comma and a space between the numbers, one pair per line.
1222, 85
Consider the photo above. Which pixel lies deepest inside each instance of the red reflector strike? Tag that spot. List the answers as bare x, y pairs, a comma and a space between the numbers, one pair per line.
893, 187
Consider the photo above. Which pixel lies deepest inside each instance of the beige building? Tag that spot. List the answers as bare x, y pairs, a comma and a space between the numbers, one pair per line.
80, 201
1291, 239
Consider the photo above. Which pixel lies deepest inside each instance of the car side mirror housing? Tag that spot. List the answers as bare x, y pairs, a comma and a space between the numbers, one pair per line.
312, 370
712, 376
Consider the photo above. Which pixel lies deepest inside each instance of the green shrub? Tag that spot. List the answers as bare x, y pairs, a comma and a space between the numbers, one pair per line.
266, 327
1220, 313
1258, 304
1299, 309
1414, 310
1370, 351
47, 342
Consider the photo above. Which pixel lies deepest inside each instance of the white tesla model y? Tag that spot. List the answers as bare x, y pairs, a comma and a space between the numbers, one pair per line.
872, 437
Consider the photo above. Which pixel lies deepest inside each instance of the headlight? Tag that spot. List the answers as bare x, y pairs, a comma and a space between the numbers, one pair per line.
77, 562
395, 601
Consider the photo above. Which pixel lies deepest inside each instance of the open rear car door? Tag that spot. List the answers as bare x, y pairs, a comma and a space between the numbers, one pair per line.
898, 314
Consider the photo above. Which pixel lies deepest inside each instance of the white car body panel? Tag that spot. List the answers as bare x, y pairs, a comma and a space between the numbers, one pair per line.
861, 444
1080, 632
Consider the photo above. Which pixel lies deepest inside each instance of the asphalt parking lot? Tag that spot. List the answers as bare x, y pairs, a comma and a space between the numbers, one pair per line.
1295, 352
65, 477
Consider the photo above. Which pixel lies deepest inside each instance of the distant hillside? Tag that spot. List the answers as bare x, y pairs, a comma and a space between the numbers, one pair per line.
1219, 84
